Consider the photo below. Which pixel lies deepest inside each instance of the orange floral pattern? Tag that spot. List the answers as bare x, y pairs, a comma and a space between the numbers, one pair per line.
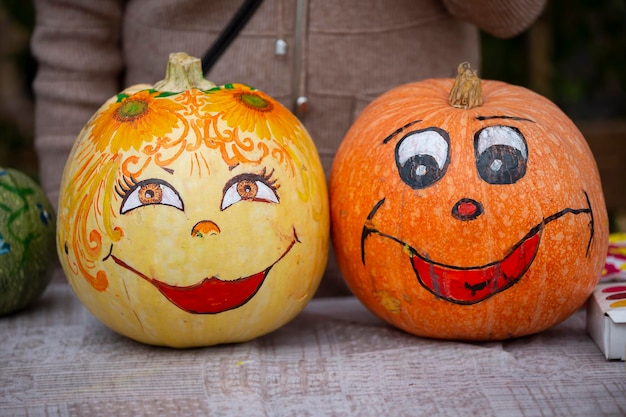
140, 129
134, 120
252, 111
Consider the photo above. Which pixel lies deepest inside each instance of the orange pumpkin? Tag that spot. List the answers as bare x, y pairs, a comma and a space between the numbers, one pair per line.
467, 209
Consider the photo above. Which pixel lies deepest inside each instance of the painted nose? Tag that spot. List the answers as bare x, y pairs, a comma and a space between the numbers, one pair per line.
205, 228
467, 209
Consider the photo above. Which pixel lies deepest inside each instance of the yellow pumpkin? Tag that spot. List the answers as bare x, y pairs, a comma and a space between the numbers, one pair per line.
192, 214
467, 209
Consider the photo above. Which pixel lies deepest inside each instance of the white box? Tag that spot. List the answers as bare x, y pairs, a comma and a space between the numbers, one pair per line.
606, 319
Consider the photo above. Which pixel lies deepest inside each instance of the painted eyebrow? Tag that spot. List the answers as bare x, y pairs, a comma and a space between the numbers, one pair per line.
519, 119
399, 130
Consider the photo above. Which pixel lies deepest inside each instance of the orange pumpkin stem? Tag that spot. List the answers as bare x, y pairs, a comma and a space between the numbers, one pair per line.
466, 91
183, 72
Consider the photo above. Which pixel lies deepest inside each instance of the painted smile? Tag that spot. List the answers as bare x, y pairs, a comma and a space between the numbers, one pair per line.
470, 285
210, 295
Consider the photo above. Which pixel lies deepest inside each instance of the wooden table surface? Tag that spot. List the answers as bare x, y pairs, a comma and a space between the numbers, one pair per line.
334, 359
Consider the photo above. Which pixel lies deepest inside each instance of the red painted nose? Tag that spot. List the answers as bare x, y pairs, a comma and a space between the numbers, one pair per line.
467, 209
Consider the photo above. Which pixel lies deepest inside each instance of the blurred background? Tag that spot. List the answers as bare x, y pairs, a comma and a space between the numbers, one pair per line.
575, 55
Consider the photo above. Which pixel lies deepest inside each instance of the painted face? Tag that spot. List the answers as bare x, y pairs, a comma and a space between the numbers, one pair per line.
225, 266
481, 223
500, 156
203, 219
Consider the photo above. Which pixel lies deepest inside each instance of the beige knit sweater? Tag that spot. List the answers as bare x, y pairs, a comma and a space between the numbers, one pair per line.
350, 52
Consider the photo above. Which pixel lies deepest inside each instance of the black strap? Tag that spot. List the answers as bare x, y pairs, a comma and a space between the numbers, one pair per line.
230, 32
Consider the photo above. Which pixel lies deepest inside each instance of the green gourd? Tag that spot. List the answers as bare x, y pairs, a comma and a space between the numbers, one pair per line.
27, 240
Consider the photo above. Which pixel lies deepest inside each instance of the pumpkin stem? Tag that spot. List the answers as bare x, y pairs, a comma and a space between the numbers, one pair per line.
466, 91
183, 72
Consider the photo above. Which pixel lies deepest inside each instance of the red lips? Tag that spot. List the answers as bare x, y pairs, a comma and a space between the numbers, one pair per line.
212, 295
209, 296
474, 284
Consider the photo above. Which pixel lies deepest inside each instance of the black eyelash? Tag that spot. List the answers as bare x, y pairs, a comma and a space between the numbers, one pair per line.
125, 184
264, 176
269, 180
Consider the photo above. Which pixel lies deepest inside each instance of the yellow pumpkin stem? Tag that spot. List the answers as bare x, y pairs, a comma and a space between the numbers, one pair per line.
466, 91
183, 73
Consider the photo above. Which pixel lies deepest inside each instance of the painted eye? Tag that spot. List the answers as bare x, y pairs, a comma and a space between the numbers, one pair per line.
501, 154
150, 192
422, 157
249, 187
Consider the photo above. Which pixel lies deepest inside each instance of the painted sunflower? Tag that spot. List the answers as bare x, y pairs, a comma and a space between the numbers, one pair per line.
134, 120
252, 111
